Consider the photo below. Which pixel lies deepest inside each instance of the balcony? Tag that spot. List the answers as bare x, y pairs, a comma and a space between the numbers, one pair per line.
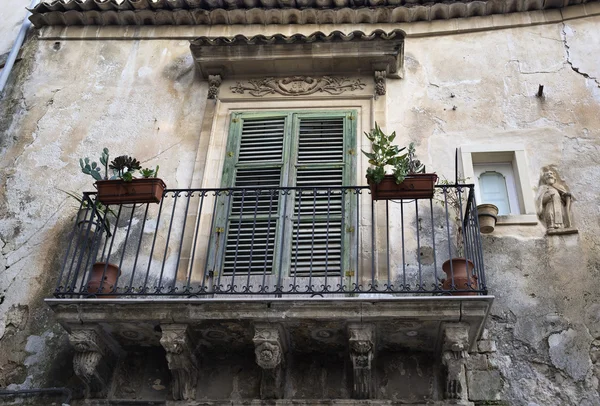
312, 264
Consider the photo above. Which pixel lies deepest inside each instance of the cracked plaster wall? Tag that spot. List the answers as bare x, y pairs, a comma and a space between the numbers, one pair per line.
68, 100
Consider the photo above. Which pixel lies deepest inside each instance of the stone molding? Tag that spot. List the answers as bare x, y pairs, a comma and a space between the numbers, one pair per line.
362, 351
96, 356
181, 359
298, 86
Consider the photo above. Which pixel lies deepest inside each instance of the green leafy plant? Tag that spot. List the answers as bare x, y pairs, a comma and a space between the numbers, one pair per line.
149, 173
103, 210
384, 153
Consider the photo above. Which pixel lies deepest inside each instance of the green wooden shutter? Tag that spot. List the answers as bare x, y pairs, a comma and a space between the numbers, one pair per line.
322, 160
268, 150
253, 215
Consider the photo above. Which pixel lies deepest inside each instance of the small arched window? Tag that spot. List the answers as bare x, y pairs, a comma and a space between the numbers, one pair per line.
493, 190
496, 185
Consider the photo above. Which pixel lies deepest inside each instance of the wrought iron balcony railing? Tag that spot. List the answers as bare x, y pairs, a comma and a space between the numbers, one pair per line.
323, 241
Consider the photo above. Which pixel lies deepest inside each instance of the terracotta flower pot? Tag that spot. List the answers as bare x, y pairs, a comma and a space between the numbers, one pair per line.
487, 215
148, 190
110, 278
462, 270
415, 186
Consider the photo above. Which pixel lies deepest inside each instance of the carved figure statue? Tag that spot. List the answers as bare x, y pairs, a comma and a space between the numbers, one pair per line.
553, 201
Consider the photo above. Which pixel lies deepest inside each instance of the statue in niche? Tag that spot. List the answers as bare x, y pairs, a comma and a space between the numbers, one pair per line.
553, 202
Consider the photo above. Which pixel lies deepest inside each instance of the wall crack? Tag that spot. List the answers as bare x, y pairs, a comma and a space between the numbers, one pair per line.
570, 62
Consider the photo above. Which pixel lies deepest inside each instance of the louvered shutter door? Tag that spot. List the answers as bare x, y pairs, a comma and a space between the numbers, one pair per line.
253, 213
317, 237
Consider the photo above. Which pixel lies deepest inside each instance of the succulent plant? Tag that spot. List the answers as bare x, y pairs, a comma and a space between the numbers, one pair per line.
149, 173
122, 167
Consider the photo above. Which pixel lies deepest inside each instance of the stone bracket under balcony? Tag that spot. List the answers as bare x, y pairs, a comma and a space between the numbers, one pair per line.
273, 328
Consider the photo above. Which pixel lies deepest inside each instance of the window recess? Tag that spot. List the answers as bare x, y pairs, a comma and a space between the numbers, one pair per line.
286, 211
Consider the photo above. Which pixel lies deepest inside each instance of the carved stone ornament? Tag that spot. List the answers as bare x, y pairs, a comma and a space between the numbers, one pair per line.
553, 202
267, 346
181, 359
361, 352
380, 82
454, 354
94, 360
298, 86
214, 82
269, 349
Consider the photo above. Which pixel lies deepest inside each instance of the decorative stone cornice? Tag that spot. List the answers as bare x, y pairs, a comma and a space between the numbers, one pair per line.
317, 54
208, 12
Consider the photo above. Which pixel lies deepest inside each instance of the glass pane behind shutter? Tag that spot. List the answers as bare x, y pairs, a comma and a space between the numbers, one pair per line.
493, 190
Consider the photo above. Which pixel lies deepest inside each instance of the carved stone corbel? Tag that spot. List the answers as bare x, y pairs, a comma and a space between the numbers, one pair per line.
269, 349
380, 76
362, 352
95, 359
454, 354
214, 82
181, 359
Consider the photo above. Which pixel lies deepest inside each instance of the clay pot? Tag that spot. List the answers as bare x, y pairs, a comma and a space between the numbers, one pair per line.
110, 279
462, 270
415, 186
148, 190
487, 215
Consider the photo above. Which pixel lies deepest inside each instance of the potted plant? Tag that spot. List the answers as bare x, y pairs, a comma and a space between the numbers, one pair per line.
105, 274
487, 214
122, 187
408, 181
459, 270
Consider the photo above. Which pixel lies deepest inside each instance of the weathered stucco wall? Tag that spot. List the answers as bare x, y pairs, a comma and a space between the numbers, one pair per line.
65, 101
68, 99
545, 316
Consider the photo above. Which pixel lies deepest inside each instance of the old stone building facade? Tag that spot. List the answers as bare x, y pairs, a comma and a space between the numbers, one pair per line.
267, 274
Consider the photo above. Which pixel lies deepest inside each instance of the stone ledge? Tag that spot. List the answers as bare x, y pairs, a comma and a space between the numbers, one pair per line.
254, 402
406, 322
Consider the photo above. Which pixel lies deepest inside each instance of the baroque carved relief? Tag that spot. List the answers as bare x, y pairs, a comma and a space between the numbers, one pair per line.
298, 86
454, 354
269, 349
214, 82
553, 202
380, 76
95, 359
181, 359
361, 352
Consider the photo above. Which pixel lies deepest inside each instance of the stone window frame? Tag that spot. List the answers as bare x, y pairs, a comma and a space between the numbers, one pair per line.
210, 159
513, 154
